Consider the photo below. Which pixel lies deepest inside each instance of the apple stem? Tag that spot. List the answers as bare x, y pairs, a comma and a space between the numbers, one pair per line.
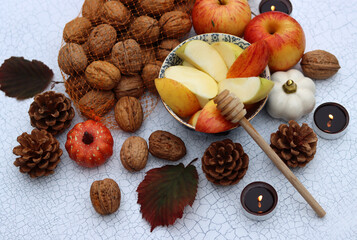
87, 138
290, 86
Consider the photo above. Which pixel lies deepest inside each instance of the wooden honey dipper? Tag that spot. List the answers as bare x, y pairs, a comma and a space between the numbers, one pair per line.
233, 110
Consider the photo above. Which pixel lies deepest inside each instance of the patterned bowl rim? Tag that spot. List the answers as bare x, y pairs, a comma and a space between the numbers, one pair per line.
167, 63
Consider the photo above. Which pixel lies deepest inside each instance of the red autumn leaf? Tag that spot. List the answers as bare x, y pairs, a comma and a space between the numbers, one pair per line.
165, 192
22, 78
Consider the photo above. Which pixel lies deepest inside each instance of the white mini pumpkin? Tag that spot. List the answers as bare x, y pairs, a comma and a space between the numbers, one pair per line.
292, 96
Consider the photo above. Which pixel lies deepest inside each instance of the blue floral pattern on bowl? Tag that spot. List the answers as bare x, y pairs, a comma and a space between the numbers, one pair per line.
172, 60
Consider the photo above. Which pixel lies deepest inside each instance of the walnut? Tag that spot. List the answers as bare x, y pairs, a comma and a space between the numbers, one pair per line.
156, 7
77, 86
116, 14
167, 146
319, 64
85, 47
185, 6
134, 153
122, 36
127, 57
96, 103
72, 59
128, 114
145, 30
129, 86
105, 196
149, 73
92, 9
165, 47
101, 40
129, 2
77, 30
102, 75
175, 24
148, 55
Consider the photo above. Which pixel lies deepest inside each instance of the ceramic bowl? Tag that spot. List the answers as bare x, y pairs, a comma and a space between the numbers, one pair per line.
172, 60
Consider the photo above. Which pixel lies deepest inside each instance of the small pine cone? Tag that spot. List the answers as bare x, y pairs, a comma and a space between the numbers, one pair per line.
39, 153
52, 112
295, 145
225, 162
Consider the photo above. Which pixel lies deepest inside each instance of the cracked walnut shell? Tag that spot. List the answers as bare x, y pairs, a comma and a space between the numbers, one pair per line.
175, 24
105, 196
134, 153
127, 57
145, 30
128, 114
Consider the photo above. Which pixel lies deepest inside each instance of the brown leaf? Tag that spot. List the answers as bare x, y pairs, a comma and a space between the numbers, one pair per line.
21, 78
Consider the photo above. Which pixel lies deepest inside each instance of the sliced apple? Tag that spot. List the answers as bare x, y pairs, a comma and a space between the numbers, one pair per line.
204, 57
198, 82
194, 117
248, 90
251, 62
178, 97
210, 120
228, 51
187, 64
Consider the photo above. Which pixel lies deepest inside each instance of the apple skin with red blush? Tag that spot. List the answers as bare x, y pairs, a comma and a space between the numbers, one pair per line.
89, 144
284, 36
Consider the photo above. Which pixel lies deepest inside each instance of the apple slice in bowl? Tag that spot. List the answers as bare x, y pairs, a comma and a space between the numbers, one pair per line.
174, 60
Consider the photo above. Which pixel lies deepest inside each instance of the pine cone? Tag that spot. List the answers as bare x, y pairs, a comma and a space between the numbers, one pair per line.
225, 162
52, 112
295, 145
39, 153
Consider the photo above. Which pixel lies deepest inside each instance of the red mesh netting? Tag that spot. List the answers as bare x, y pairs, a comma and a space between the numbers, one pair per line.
116, 48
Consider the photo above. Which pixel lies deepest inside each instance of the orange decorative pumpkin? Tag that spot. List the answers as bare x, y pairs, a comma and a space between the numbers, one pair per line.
89, 143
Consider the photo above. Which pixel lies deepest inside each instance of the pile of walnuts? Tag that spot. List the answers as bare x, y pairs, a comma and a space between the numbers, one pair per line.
116, 49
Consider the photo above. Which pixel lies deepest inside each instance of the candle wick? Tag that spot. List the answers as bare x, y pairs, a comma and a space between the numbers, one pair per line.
329, 123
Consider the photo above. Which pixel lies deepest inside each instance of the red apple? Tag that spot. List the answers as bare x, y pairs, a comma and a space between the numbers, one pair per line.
210, 120
251, 62
284, 35
223, 16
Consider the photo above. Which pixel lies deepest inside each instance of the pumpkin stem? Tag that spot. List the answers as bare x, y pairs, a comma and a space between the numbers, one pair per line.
87, 138
290, 86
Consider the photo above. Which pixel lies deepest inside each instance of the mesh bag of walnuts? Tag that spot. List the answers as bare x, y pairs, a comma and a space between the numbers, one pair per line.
116, 48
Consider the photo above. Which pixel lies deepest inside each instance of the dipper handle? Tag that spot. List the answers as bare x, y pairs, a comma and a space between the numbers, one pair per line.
233, 110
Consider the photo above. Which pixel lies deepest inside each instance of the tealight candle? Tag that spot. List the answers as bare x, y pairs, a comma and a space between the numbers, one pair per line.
275, 5
258, 200
330, 120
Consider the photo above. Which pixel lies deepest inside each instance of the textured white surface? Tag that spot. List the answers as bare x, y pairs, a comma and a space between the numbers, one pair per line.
59, 207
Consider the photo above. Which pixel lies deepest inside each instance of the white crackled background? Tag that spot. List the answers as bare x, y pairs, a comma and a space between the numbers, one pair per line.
59, 207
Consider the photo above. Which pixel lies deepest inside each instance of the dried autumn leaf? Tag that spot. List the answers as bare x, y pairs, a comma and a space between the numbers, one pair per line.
165, 192
21, 78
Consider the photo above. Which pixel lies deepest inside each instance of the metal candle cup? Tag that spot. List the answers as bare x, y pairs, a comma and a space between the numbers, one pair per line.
330, 120
275, 5
258, 200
